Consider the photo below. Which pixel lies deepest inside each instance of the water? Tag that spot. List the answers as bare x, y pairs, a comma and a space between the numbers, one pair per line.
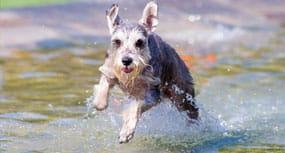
43, 105
240, 80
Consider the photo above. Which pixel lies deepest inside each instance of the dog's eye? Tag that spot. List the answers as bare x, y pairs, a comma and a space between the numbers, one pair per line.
117, 42
139, 43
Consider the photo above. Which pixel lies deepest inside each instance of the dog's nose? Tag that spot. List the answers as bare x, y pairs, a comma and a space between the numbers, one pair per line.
127, 60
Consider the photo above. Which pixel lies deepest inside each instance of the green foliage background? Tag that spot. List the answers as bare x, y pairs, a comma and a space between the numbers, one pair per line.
24, 3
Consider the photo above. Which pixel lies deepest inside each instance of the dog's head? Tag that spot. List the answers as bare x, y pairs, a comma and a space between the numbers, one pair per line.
129, 42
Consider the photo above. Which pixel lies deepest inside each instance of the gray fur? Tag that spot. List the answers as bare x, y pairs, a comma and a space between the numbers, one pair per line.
161, 72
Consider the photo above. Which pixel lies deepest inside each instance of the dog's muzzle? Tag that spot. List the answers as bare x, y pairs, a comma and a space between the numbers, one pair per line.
127, 61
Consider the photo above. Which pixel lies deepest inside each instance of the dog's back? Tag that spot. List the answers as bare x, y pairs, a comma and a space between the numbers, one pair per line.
176, 80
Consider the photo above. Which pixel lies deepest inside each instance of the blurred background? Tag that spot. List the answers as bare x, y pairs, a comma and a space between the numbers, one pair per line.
50, 51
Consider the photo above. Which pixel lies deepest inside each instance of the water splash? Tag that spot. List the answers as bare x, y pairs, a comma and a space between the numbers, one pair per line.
90, 111
162, 121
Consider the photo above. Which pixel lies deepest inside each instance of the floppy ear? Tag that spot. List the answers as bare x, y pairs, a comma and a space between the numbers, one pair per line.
149, 18
112, 17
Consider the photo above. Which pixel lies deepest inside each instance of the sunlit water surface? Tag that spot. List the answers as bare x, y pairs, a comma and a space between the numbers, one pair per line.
45, 95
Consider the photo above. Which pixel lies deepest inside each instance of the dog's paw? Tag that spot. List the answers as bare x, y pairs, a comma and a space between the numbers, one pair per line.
125, 137
99, 106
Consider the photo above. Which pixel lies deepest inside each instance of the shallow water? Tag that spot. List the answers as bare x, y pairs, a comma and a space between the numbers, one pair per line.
44, 97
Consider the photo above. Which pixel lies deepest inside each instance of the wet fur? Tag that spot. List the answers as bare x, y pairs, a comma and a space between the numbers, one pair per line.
158, 70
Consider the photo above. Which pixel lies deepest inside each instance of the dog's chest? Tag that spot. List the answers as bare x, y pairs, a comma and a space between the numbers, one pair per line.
137, 89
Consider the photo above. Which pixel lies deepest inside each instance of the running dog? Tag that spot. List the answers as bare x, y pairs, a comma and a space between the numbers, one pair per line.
145, 67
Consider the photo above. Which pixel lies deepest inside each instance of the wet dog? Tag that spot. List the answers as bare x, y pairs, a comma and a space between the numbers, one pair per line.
145, 67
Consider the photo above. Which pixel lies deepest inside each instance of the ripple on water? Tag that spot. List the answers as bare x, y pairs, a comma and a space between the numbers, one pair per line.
24, 116
37, 75
250, 101
1, 78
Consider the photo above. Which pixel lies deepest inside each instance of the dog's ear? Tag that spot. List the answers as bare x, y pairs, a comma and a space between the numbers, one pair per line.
149, 18
113, 18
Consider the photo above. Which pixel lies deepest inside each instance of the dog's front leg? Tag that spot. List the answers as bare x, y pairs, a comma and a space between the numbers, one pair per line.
130, 119
100, 101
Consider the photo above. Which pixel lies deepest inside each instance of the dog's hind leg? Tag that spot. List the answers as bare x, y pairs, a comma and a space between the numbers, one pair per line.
190, 108
185, 101
100, 101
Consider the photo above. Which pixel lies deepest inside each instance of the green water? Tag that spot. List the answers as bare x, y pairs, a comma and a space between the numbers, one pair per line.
43, 104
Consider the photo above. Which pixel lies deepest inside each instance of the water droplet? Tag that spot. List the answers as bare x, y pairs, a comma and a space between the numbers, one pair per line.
194, 18
50, 106
177, 90
219, 116
226, 134
276, 128
274, 108
228, 69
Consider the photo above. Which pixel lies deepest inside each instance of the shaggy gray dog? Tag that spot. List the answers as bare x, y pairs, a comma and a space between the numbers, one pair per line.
145, 67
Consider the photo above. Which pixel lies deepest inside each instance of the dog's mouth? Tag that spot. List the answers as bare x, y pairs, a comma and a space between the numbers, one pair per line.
127, 69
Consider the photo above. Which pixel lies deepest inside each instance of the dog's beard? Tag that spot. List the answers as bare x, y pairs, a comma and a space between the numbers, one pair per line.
128, 79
